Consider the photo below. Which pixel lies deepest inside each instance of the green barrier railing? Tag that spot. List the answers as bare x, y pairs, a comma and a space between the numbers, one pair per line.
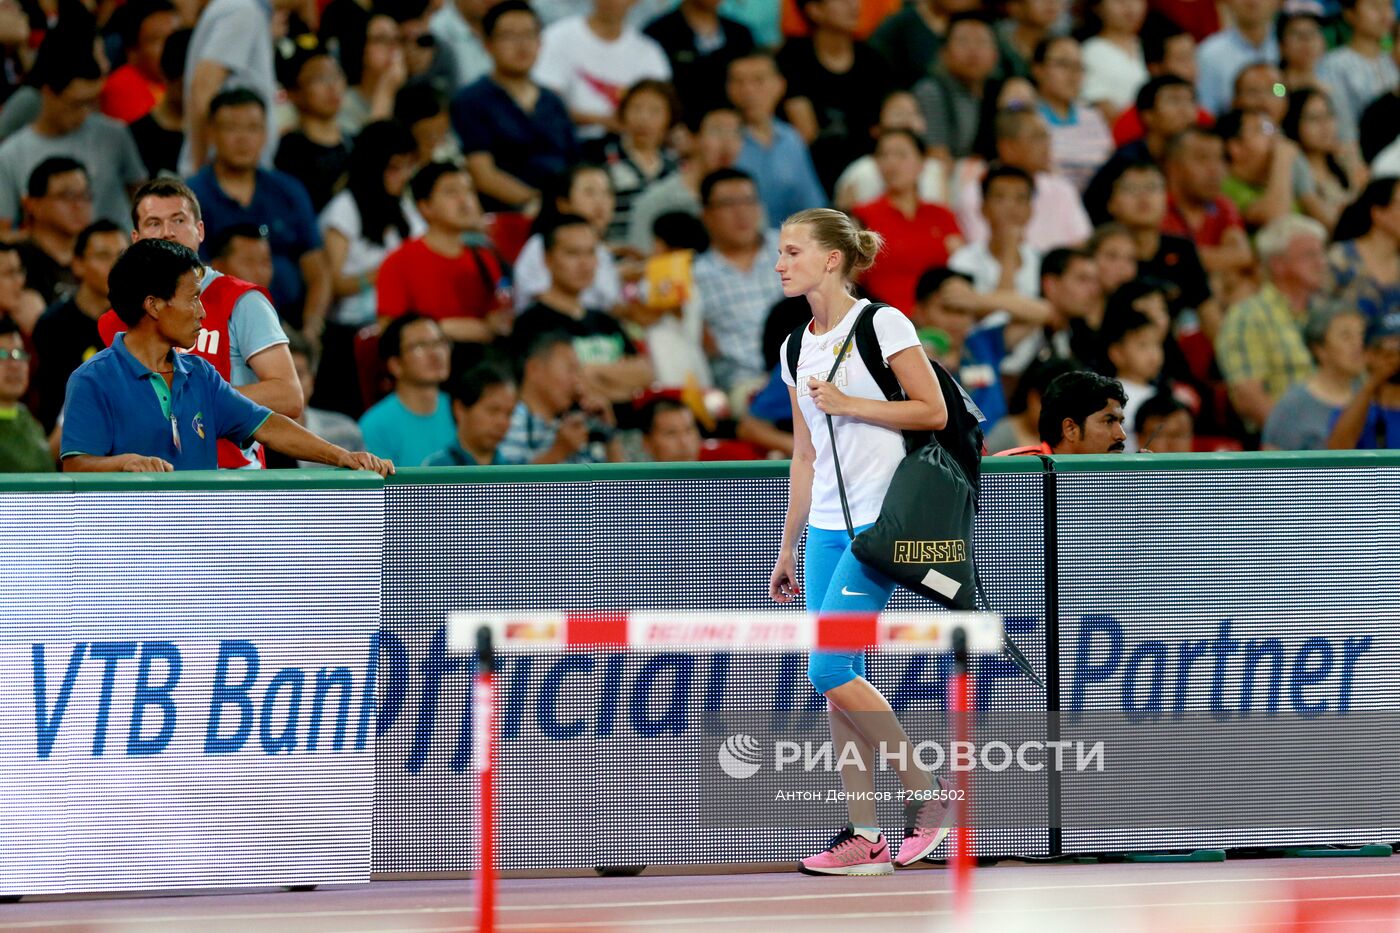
193, 480
624, 472
1252, 460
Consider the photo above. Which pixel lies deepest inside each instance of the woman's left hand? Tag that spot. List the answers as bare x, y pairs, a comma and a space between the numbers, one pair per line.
830, 400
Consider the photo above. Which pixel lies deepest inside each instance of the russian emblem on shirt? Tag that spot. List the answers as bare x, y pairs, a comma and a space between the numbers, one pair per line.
841, 379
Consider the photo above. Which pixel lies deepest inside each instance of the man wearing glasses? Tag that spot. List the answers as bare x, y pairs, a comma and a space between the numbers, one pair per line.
23, 447
68, 125
734, 280
414, 421
57, 207
141, 407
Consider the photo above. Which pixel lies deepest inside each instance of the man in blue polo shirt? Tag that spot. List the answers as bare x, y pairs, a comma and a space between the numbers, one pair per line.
142, 407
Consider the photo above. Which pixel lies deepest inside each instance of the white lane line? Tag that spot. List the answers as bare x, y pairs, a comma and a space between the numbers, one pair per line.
187, 919
1272, 924
986, 890
685, 902
761, 919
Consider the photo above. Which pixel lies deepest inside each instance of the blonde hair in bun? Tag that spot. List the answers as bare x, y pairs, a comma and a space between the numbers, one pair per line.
835, 230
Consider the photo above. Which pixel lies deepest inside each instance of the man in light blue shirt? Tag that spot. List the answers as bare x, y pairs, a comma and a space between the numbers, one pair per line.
1221, 56
734, 281
231, 46
415, 420
1362, 70
457, 26
773, 152
260, 365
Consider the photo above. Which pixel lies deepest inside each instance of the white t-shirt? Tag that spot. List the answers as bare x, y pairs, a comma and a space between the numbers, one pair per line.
237, 35
1387, 161
531, 278
1137, 393
976, 260
590, 73
342, 215
869, 452
861, 182
1112, 75
1058, 217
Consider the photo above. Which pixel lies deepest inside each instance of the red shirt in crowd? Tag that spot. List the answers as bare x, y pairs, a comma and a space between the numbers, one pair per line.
1198, 17
414, 278
1220, 216
129, 95
1128, 127
872, 13
911, 246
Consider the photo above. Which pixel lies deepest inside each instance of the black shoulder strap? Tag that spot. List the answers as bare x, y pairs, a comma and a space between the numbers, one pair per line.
488, 278
831, 431
794, 351
868, 346
962, 435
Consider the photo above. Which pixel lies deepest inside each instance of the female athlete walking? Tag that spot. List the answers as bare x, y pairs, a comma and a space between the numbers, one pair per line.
819, 250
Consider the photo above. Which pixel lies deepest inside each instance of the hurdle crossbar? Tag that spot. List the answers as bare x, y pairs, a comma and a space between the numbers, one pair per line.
890, 631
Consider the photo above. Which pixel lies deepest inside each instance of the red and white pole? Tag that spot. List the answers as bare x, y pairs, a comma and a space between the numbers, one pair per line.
960, 705
484, 760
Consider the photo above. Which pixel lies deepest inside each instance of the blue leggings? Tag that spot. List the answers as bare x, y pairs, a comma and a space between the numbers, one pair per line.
835, 581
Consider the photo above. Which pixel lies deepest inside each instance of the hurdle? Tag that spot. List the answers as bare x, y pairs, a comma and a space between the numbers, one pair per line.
958, 634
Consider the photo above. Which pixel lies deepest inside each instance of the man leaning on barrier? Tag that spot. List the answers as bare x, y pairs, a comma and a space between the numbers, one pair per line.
140, 406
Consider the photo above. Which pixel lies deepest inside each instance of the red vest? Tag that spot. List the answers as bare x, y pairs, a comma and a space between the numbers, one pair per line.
218, 299
1033, 449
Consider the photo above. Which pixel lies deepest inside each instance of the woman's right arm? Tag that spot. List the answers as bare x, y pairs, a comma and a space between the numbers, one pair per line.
803, 117
337, 248
1277, 199
1351, 423
783, 586
804, 456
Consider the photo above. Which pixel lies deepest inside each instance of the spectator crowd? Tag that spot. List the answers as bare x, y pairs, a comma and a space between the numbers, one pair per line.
457, 232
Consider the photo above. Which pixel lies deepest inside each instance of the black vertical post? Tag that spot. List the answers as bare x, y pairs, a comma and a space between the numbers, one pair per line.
485, 651
960, 654
962, 708
484, 755
1052, 650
